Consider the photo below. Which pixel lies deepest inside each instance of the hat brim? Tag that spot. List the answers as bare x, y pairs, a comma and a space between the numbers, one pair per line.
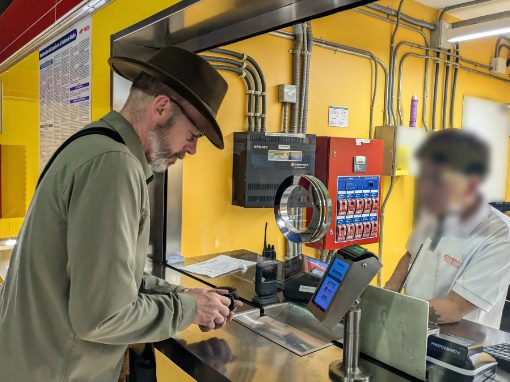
205, 118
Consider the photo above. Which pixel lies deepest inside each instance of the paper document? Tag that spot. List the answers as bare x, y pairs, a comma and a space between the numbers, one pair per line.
218, 266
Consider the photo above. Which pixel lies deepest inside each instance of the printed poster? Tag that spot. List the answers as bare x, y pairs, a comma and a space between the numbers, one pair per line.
64, 83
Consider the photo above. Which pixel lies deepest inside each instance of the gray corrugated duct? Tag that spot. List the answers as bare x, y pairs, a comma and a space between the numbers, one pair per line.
306, 77
249, 83
261, 114
296, 76
252, 97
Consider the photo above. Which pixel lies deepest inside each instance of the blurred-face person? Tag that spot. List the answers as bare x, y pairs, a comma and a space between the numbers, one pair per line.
443, 191
459, 241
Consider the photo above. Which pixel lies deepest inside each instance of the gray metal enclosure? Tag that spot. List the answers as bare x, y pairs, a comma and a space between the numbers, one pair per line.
199, 25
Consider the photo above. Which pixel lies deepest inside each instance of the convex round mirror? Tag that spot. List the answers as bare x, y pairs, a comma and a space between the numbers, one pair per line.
302, 209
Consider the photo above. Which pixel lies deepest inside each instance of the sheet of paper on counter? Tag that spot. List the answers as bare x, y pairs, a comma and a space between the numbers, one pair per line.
218, 266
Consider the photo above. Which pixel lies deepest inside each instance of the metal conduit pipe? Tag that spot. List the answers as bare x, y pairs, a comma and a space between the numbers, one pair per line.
285, 118
500, 48
490, 75
296, 76
251, 96
347, 50
454, 85
393, 63
292, 249
392, 110
304, 61
249, 84
261, 79
425, 81
434, 92
497, 50
404, 17
372, 101
426, 40
305, 82
306, 76
457, 65
427, 48
462, 59
460, 66
445, 93
298, 212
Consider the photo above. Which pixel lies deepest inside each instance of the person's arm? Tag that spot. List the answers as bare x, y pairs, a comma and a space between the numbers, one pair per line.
399, 274
103, 204
449, 309
155, 284
482, 282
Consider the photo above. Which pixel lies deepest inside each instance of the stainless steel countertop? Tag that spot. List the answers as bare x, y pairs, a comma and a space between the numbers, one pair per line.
236, 353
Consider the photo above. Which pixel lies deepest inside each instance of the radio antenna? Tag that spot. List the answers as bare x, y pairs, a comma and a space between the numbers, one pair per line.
265, 236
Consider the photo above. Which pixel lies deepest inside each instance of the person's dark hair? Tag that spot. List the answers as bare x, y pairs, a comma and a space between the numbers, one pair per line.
457, 149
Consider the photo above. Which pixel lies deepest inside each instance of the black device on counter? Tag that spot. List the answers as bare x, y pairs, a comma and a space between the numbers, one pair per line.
458, 359
301, 276
266, 283
501, 353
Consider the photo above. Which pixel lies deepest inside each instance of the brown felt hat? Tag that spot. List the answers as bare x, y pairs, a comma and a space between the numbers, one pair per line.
199, 88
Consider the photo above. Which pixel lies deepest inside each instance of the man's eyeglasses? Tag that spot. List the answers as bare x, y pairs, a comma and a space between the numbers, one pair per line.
194, 137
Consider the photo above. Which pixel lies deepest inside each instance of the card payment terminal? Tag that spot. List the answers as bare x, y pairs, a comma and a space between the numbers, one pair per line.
349, 273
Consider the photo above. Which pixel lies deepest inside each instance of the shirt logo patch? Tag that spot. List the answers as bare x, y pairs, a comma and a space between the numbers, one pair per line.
452, 261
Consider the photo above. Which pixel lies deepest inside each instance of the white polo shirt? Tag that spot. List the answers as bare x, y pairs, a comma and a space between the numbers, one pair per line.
472, 258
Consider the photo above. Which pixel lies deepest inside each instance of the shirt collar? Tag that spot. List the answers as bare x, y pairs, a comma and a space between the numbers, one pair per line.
132, 140
468, 225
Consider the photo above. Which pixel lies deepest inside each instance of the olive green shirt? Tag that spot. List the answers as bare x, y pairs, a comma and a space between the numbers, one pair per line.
76, 294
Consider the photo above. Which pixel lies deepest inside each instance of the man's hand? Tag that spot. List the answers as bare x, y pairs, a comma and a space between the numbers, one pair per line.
230, 316
212, 307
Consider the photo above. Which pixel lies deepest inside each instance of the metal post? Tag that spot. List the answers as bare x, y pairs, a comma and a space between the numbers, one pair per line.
350, 370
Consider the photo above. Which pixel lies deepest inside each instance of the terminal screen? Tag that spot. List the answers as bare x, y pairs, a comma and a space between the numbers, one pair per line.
330, 284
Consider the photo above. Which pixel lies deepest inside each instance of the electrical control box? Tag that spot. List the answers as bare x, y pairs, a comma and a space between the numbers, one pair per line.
402, 143
351, 169
262, 161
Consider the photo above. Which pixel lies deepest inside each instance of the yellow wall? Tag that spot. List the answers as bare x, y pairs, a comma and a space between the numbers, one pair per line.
210, 222
20, 120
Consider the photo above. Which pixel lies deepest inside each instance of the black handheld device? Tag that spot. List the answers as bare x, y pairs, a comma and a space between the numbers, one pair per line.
268, 252
266, 283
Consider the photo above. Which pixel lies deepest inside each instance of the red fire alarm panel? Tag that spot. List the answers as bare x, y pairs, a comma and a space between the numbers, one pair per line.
355, 190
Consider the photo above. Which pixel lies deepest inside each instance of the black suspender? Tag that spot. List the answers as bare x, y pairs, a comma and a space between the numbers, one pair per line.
90, 131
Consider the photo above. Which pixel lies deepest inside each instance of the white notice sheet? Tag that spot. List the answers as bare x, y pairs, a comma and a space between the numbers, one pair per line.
64, 83
218, 266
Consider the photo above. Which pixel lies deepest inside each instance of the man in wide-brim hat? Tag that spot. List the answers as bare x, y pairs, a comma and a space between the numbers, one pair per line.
76, 295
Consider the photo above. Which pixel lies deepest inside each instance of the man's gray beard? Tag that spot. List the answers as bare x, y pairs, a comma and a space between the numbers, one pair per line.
160, 156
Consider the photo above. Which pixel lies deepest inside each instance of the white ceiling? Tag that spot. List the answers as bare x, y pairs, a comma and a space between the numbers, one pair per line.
494, 6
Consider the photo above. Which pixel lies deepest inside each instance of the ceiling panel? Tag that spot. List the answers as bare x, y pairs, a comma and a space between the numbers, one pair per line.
488, 8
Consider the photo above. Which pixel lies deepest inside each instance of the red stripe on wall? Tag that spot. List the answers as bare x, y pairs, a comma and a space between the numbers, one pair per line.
25, 19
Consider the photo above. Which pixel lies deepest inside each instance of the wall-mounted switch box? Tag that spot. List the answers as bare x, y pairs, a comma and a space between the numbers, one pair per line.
439, 36
498, 65
287, 93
